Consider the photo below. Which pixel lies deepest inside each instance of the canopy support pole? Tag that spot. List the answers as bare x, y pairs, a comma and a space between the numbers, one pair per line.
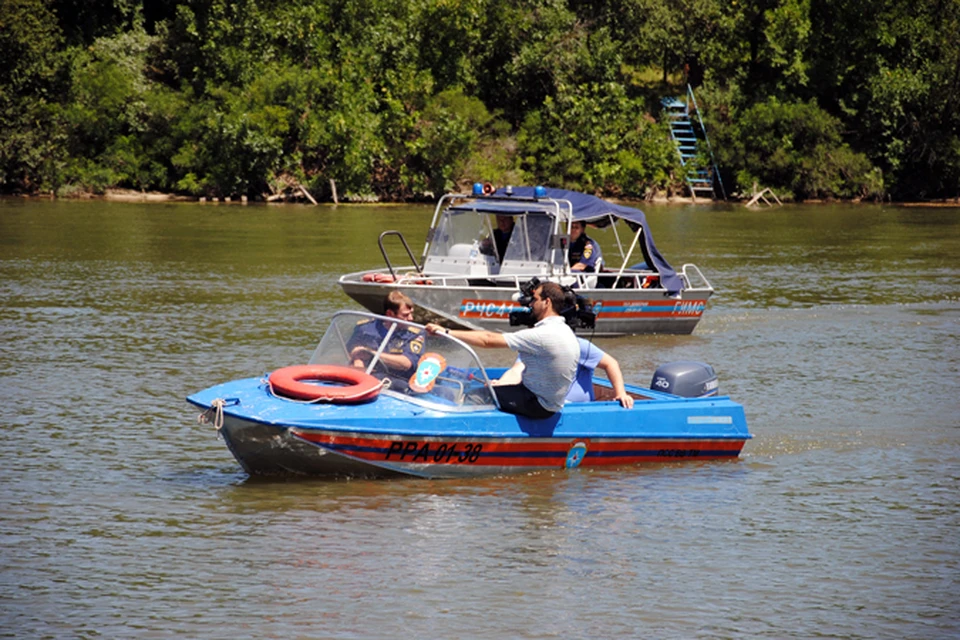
633, 245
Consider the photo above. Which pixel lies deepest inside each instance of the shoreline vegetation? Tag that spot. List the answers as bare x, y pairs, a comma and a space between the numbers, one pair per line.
388, 101
132, 195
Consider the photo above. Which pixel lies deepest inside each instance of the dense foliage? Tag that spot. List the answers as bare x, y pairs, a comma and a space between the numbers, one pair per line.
399, 98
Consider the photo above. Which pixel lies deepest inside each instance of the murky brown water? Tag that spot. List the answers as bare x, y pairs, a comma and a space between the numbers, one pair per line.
838, 328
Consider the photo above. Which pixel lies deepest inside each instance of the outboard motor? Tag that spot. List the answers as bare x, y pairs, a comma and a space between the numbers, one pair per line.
687, 379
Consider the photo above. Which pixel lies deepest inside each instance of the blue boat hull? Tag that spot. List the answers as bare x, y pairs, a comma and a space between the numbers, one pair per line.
390, 437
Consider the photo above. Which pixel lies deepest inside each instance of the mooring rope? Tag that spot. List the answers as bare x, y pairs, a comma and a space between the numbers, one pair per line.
216, 412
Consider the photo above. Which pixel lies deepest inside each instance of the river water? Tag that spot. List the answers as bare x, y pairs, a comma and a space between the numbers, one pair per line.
837, 327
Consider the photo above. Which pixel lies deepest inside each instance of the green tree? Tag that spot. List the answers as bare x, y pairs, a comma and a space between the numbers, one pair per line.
31, 133
108, 113
594, 138
394, 98
531, 48
217, 42
83, 21
795, 147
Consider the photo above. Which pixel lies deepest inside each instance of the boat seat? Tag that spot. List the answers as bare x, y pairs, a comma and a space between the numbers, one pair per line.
461, 258
606, 279
460, 250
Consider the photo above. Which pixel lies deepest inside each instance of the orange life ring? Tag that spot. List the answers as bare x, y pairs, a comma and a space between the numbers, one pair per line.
378, 277
362, 387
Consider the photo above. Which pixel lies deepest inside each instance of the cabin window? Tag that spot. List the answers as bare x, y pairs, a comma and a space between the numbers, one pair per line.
457, 234
530, 241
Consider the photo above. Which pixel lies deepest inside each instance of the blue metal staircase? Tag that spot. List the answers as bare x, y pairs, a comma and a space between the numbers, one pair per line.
703, 183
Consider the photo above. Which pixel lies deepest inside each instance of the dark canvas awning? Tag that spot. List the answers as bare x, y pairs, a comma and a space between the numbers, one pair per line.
586, 208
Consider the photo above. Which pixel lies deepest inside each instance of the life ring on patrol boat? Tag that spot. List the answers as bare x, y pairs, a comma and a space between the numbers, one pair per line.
361, 386
378, 277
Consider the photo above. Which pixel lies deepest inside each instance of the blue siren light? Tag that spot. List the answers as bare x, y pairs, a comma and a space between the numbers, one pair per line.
539, 192
477, 189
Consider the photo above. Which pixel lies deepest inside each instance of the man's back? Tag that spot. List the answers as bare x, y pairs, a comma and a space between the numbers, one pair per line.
582, 388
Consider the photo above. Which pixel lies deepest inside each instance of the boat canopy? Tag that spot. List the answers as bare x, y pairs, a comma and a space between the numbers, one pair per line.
583, 208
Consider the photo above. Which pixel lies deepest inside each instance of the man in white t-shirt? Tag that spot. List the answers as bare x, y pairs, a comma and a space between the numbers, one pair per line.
591, 357
549, 349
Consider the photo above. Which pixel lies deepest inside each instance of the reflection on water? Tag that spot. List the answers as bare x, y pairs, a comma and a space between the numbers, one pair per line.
836, 327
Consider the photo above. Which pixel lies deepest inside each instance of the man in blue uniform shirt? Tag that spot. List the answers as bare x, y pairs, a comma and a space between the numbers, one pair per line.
584, 252
402, 353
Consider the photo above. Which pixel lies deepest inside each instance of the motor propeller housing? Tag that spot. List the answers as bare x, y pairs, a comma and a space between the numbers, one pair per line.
687, 379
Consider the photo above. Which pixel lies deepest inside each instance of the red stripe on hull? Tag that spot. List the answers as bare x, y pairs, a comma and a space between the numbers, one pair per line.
499, 309
607, 315
479, 453
642, 309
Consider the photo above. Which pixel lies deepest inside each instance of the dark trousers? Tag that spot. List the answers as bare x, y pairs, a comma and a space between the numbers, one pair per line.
517, 399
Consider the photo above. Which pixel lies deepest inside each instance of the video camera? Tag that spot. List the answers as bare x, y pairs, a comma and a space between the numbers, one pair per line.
577, 310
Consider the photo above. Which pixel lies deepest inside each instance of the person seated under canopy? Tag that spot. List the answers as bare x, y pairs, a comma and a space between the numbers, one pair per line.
501, 238
584, 254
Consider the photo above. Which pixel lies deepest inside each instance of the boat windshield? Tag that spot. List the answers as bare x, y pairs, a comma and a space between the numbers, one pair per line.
530, 241
435, 371
458, 234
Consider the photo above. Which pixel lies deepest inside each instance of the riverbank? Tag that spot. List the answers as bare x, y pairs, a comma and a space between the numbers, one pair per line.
132, 195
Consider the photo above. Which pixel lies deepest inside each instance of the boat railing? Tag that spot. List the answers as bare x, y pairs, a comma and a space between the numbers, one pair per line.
689, 270
386, 258
412, 276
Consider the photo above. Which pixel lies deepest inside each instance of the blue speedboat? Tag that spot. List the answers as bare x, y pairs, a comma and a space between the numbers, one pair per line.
328, 418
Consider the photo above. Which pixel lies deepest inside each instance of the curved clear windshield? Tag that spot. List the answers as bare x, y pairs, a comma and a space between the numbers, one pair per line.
436, 371
458, 234
530, 241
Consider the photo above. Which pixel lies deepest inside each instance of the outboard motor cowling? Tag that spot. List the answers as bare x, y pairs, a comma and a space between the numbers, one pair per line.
687, 379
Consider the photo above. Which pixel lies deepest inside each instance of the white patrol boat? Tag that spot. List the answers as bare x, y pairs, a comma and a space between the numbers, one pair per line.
460, 281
